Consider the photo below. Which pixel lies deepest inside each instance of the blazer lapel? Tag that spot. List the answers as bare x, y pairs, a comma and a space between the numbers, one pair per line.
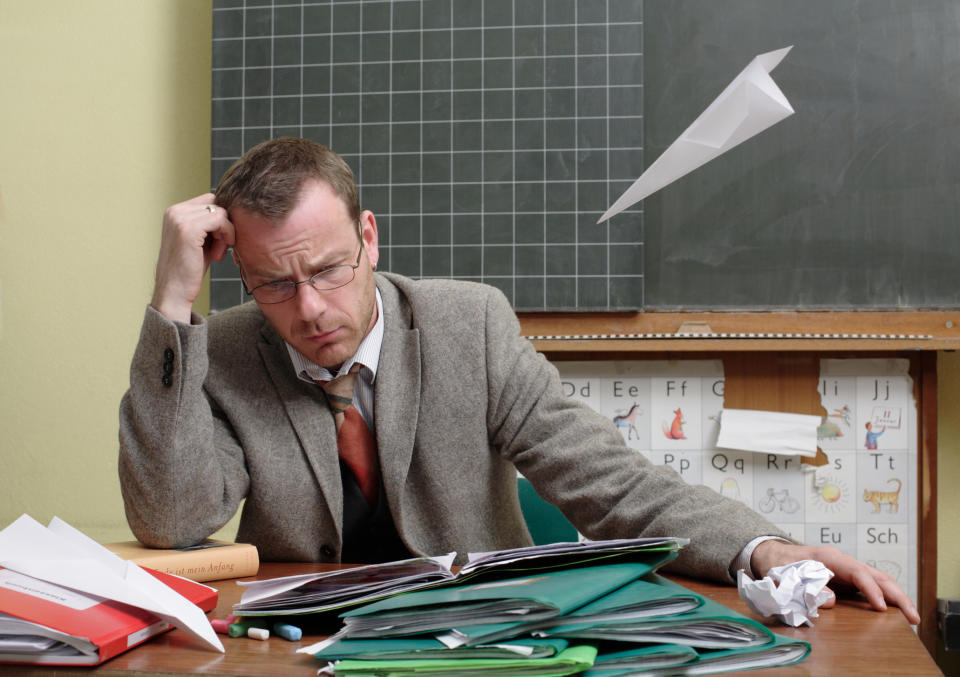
397, 396
318, 434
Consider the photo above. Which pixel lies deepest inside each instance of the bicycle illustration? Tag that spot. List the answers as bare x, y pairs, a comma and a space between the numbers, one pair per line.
781, 499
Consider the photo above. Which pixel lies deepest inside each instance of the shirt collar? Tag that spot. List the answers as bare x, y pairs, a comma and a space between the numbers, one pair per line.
368, 354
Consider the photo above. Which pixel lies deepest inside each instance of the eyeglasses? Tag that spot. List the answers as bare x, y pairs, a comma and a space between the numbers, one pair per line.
279, 291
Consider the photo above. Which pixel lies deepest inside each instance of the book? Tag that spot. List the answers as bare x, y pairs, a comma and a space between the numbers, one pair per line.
46, 624
343, 589
210, 560
489, 611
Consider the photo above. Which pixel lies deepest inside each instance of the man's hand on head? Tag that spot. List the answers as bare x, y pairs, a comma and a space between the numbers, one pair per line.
877, 587
195, 233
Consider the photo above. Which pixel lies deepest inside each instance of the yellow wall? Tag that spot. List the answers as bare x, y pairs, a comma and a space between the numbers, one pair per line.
104, 121
948, 472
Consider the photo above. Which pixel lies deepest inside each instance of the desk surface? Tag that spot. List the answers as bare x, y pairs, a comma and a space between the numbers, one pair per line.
849, 639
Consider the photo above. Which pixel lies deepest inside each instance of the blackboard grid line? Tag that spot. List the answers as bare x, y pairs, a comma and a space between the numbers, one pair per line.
483, 131
543, 110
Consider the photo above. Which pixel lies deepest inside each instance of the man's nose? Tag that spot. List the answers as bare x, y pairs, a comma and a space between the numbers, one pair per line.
310, 302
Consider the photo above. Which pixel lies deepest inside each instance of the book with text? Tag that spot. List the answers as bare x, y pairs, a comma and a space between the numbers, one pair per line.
210, 560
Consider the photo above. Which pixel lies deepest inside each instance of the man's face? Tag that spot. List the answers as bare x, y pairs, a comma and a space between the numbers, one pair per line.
326, 326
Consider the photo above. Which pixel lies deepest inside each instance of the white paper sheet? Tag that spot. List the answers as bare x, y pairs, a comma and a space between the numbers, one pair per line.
751, 103
64, 556
769, 432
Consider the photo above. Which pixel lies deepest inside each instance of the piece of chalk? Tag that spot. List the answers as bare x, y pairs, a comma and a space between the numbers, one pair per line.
220, 625
239, 629
289, 632
258, 633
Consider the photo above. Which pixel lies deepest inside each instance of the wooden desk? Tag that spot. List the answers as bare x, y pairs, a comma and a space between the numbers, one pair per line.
847, 640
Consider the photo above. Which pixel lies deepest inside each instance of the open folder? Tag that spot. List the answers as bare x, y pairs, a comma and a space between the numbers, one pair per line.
348, 588
491, 610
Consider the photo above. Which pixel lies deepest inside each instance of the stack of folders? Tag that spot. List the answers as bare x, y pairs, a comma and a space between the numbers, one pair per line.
595, 614
335, 591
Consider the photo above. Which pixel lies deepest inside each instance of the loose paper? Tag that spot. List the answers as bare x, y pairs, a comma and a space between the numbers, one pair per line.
771, 432
791, 593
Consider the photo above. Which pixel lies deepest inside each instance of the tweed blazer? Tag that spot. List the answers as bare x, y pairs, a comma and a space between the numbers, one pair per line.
216, 417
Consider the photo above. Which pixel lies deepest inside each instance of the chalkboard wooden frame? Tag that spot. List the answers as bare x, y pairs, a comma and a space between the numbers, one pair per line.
683, 332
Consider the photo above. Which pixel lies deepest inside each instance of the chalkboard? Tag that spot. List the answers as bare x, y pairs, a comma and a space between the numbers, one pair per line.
852, 202
487, 136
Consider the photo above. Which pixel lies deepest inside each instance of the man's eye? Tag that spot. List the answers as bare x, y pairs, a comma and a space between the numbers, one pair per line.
278, 285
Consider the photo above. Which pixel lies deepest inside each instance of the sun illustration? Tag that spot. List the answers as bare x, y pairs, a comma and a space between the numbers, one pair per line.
830, 496
830, 492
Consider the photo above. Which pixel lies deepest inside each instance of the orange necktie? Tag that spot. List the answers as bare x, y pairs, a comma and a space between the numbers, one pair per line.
355, 442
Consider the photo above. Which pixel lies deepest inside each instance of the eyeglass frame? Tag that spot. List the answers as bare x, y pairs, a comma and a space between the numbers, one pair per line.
310, 280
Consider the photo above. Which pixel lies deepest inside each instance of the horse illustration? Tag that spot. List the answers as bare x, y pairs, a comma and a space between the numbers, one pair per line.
627, 421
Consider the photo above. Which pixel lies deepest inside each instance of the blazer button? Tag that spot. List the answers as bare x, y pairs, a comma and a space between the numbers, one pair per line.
327, 551
168, 355
167, 368
166, 380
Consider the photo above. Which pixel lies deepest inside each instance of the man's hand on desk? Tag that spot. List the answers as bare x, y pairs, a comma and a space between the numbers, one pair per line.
879, 588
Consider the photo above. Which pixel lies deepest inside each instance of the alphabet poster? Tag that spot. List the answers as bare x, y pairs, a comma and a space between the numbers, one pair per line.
863, 501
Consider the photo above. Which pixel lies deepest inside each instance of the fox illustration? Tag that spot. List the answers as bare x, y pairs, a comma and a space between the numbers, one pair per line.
675, 430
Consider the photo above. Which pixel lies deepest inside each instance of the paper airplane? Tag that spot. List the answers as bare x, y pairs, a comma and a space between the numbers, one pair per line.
64, 556
748, 105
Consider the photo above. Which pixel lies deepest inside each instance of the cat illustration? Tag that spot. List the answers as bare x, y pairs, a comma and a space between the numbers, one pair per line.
675, 430
879, 498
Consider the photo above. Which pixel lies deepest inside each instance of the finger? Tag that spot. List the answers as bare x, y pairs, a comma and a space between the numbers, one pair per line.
866, 584
219, 226
201, 200
217, 248
898, 598
831, 600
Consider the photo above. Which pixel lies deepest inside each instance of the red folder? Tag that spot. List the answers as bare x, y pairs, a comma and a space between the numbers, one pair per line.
109, 627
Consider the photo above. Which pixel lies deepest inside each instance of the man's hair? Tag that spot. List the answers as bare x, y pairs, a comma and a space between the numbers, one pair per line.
268, 179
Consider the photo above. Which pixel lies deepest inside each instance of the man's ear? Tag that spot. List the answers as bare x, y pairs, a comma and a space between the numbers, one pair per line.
368, 233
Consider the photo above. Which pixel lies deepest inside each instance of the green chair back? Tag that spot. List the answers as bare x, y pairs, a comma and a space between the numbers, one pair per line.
544, 520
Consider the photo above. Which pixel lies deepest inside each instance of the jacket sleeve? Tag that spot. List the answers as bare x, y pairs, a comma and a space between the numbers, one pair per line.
577, 460
182, 473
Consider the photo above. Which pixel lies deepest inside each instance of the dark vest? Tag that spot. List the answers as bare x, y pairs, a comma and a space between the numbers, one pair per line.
369, 534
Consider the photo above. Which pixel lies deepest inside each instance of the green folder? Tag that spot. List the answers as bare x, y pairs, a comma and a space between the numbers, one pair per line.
646, 658
426, 647
710, 626
637, 599
782, 651
512, 602
570, 661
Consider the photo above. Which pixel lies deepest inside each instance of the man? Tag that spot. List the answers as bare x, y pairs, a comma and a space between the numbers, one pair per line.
235, 407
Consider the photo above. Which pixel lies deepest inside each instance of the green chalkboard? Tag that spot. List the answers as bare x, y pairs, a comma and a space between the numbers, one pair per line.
853, 201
